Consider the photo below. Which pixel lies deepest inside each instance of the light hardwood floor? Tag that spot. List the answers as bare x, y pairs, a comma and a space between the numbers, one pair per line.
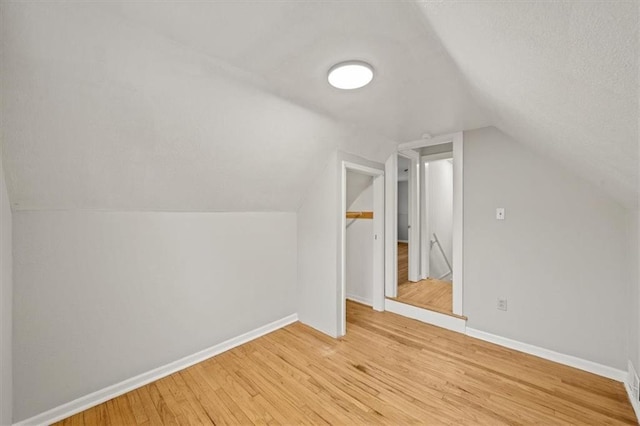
430, 294
403, 263
387, 370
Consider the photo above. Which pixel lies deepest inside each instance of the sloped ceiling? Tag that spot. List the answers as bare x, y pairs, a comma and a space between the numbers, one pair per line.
559, 76
209, 106
224, 106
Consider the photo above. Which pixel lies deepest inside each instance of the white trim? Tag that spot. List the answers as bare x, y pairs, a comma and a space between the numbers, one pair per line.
571, 361
413, 191
391, 226
425, 226
426, 316
342, 250
98, 397
410, 154
365, 170
359, 299
391, 168
378, 243
634, 403
414, 219
421, 143
404, 241
628, 386
458, 225
437, 157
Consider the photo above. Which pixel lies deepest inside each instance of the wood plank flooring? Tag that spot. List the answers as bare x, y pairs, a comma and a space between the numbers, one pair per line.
403, 263
387, 370
429, 294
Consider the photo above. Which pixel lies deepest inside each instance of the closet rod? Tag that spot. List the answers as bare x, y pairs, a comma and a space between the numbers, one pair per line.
359, 215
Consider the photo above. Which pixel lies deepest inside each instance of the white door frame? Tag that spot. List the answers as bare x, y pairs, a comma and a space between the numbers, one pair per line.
425, 236
458, 213
391, 227
425, 244
414, 214
378, 239
391, 222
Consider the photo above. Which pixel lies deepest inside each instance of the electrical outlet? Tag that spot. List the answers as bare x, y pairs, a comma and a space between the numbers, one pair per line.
502, 304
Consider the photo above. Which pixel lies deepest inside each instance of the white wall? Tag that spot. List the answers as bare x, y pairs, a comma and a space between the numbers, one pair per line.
103, 296
635, 337
633, 304
356, 184
6, 300
403, 211
359, 241
92, 128
320, 246
559, 257
440, 217
318, 250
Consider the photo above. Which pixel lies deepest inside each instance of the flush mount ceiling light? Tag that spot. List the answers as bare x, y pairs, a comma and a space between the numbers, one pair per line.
350, 75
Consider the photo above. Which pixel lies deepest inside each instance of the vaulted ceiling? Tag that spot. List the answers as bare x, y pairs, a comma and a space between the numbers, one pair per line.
560, 76
224, 106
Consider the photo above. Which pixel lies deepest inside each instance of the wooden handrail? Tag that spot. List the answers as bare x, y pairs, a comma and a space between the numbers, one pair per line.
359, 215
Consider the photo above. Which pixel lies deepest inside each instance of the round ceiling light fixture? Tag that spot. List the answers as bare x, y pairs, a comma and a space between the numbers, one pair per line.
350, 75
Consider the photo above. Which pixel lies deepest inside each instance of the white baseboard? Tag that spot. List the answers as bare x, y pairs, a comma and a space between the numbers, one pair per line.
404, 241
571, 361
631, 392
634, 402
425, 315
83, 403
360, 299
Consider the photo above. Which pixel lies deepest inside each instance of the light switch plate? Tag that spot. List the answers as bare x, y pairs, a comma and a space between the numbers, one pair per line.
502, 304
500, 213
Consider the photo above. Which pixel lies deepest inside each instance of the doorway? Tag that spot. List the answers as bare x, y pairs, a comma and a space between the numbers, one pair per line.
432, 169
434, 290
404, 166
359, 238
362, 238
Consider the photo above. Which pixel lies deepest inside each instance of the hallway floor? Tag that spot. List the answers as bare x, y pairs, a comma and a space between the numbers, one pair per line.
430, 293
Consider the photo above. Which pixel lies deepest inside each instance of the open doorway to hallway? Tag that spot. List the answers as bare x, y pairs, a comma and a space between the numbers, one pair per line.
434, 289
404, 165
425, 279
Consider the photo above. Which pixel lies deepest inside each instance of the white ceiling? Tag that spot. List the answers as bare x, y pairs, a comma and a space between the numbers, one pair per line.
560, 76
208, 105
225, 105
292, 45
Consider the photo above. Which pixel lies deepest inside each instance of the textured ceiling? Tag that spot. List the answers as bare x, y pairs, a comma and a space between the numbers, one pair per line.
560, 76
224, 106
216, 106
292, 44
